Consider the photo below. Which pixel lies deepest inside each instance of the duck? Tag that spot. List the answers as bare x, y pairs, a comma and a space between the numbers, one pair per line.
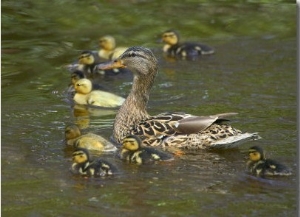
82, 164
108, 49
90, 141
259, 165
84, 95
132, 151
174, 48
169, 129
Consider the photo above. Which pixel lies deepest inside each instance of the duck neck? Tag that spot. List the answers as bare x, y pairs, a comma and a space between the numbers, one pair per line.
133, 109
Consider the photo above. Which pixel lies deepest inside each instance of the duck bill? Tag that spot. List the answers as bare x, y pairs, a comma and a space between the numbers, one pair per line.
111, 65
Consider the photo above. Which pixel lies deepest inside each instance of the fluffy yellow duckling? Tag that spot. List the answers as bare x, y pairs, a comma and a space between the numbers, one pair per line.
86, 96
89, 141
173, 47
82, 164
108, 49
132, 151
259, 165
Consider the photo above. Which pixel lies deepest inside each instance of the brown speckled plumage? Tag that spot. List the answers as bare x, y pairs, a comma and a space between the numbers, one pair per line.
179, 130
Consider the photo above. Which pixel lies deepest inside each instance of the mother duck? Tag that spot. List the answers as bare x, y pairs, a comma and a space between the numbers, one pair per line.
174, 130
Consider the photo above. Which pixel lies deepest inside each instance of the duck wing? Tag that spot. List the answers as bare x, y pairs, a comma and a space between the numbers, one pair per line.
176, 123
195, 124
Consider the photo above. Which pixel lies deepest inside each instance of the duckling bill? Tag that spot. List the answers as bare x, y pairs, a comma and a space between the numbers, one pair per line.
132, 151
259, 165
82, 164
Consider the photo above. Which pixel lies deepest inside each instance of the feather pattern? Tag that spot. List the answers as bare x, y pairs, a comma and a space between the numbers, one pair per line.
177, 129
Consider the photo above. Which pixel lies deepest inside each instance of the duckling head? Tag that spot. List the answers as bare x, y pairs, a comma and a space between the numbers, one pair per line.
107, 43
131, 143
170, 37
83, 86
80, 156
86, 58
72, 132
256, 153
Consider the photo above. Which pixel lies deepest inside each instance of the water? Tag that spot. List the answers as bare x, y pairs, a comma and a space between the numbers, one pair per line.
253, 73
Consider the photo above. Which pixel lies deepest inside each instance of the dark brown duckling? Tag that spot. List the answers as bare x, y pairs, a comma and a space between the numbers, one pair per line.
90, 60
82, 164
259, 165
173, 47
132, 151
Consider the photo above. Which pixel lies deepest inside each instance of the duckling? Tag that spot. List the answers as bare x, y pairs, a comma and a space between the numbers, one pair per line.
86, 96
82, 164
89, 141
259, 165
88, 61
178, 129
77, 75
174, 48
133, 152
108, 49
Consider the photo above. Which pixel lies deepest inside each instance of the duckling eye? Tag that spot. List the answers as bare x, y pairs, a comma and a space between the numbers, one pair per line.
132, 54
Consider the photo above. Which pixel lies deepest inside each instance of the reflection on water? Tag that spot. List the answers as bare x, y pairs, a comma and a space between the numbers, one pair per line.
252, 73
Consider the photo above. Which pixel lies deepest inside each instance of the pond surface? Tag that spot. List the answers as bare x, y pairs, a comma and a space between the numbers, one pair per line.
253, 72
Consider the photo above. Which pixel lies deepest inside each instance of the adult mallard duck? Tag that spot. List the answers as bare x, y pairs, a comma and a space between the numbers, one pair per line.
132, 151
259, 165
82, 164
180, 130
108, 49
173, 47
89, 141
84, 95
